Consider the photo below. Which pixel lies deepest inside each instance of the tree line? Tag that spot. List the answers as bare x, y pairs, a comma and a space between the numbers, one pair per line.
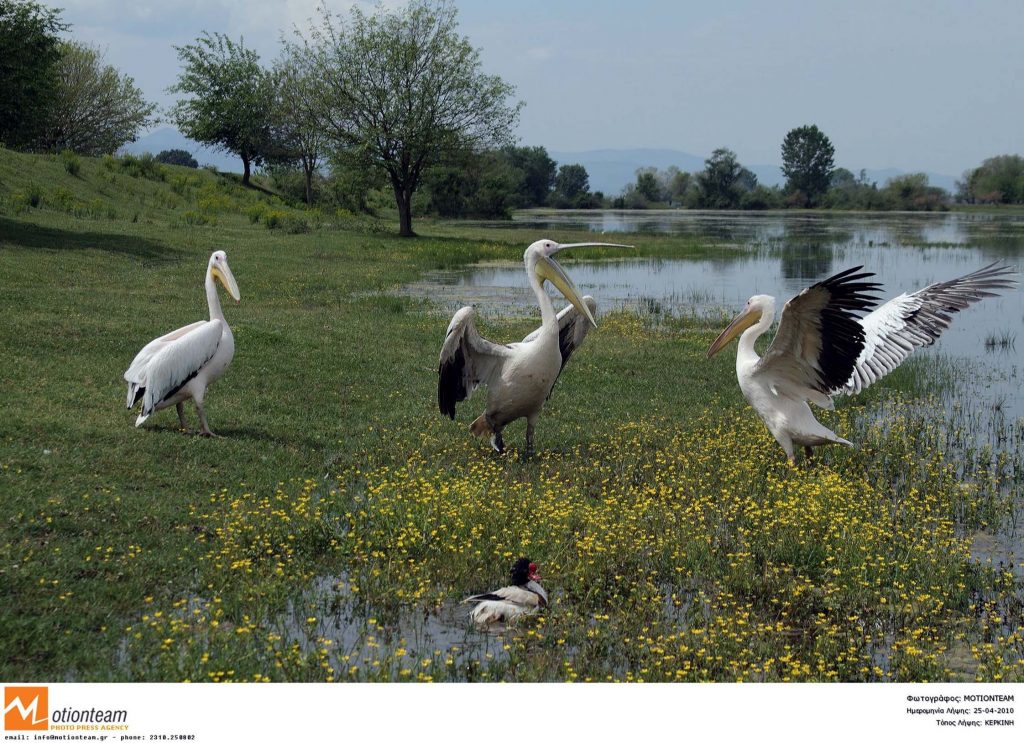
812, 180
395, 101
58, 94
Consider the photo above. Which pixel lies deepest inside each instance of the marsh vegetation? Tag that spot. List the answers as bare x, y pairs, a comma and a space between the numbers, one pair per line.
332, 531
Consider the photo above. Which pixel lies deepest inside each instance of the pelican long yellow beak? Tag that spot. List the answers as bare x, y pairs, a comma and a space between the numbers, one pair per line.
223, 274
744, 320
548, 269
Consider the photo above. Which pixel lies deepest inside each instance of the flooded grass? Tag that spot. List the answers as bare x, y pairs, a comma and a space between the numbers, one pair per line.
670, 552
1003, 341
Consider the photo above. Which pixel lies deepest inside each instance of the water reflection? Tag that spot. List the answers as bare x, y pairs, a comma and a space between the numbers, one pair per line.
999, 233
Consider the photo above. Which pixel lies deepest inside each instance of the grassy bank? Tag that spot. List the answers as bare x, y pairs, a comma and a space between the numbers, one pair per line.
331, 531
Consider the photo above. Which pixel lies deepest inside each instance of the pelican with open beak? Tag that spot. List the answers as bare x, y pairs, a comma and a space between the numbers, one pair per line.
182, 364
519, 376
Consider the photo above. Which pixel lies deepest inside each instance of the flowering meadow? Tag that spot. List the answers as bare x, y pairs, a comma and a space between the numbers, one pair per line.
332, 531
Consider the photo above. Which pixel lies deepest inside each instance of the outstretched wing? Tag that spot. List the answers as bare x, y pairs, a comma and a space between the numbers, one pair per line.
467, 361
910, 321
175, 363
819, 337
135, 376
572, 329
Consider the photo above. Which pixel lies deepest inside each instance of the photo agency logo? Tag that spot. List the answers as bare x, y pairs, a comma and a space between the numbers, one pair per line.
26, 707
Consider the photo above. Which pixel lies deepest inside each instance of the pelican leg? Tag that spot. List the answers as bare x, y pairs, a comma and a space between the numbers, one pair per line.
180, 407
205, 428
531, 424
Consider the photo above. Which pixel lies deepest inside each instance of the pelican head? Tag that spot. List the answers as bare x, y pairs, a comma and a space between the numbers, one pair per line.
540, 264
757, 307
220, 271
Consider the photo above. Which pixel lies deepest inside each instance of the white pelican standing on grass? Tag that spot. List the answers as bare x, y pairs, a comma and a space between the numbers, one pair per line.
519, 376
823, 349
183, 363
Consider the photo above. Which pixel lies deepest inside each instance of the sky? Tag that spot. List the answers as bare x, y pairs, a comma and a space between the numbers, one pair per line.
916, 85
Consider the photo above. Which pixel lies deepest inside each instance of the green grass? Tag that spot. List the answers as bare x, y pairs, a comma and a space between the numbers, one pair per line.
147, 554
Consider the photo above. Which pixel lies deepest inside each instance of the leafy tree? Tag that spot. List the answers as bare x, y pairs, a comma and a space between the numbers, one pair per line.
997, 180
177, 157
296, 129
911, 192
647, 184
29, 51
723, 181
761, 197
351, 182
842, 178
231, 98
572, 185
631, 198
404, 90
807, 162
96, 109
538, 174
679, 184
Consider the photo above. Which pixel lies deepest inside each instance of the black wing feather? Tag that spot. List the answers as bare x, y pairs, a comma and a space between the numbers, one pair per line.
842, 335
451, 386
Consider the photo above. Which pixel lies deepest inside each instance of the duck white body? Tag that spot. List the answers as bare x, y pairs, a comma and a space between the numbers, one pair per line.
506, 605
182, 364
519, 376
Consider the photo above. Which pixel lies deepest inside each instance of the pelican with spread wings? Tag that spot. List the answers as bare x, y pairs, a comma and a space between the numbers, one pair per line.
519, 376
182, 364
824, 348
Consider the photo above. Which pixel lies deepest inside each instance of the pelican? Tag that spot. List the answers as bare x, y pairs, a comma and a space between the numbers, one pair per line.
823, 349
519, 376
524, 597
183, 363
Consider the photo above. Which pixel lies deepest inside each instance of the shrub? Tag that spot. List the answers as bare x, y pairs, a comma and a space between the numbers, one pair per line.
177, 157
72, 163
274, 219
63, 198
142, 166
180, 184
34, 195
296, 225
255, 212
211, 202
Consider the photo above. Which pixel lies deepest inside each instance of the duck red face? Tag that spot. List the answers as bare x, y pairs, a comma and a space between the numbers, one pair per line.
532, 572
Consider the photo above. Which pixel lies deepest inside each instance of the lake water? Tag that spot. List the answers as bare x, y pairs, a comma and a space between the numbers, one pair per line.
778, 254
